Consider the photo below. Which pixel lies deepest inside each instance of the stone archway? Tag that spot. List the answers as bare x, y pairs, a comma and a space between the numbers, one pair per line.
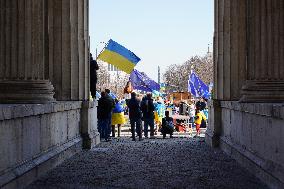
44, 51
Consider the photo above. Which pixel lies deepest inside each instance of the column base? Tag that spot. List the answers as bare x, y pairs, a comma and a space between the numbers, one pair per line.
26, 91
88, 125
263, 91
212, 137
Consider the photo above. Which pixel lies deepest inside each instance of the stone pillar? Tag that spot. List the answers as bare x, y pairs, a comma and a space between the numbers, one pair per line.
88, 125
265, 67
214, 128
69, 60
69, 48
229, 49
229, 60
23, 55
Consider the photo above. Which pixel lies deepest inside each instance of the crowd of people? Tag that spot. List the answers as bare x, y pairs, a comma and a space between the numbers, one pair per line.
155, 114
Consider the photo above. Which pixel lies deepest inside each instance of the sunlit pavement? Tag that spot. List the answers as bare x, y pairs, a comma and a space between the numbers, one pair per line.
179, 162
127, 133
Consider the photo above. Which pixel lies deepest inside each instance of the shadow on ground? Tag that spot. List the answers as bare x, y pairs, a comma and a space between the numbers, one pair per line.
181, 162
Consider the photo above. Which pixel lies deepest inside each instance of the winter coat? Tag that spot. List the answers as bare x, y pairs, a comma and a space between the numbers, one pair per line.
147, 107
134, 109
198, 118
104, 108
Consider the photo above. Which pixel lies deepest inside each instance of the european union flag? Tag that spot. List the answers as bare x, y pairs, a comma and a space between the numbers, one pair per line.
141, 81
197, 87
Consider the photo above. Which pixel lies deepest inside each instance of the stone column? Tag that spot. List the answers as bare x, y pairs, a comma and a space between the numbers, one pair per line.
229, 60
229, 49
265, 67
214, 128
69, 48
23, 55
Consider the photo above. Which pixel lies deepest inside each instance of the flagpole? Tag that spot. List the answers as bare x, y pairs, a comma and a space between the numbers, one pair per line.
116, 81
102, 42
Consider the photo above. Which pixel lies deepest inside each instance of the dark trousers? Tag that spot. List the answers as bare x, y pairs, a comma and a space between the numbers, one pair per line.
136, 123
109, 123
103, 127
166, 130
148, 122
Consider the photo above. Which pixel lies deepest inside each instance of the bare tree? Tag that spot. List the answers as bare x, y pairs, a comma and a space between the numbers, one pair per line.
103, 77
176, 76
105, 82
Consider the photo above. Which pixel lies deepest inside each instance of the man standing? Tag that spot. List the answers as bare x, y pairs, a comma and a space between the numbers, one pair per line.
135, 115
111, 100
147, 107
93, 75
104, 110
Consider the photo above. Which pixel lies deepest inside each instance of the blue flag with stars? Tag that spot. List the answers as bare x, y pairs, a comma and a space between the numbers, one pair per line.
197, 87
140, 81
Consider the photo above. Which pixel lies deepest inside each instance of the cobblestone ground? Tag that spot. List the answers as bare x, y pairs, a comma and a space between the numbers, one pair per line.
181, 162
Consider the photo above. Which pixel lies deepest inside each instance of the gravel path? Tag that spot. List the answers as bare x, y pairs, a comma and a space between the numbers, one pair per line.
151, 163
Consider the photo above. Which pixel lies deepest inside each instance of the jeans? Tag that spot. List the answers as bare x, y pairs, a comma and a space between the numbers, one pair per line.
148, 121
103, 127
137, 123
109, 123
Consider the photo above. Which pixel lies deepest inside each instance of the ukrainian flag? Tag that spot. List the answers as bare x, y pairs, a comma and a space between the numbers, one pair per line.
119, 56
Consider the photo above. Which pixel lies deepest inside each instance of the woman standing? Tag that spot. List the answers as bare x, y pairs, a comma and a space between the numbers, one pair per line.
117, 117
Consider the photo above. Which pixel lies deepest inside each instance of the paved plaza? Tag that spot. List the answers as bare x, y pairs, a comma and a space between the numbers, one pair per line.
180, 162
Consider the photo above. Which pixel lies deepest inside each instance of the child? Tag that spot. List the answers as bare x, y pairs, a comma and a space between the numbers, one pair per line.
199, 115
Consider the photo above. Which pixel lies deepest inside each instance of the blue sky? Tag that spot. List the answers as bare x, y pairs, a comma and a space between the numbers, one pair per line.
160, 32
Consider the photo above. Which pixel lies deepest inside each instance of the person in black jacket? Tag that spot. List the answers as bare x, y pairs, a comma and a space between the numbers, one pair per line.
93, 76
111, 100
104, 110
147, 107
135, 115
167, 125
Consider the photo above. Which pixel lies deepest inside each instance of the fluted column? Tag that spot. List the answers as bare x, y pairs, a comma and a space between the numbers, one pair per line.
69, 48
23, 55
265, 66
229, 48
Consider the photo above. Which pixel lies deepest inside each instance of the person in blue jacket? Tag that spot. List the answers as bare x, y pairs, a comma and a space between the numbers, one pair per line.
117, 117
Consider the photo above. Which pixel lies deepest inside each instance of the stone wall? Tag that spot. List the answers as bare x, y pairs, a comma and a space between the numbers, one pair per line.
37, 137
248, 71
252, 133
44, 80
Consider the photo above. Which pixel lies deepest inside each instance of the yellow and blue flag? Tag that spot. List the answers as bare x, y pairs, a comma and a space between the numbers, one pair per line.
119, 56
